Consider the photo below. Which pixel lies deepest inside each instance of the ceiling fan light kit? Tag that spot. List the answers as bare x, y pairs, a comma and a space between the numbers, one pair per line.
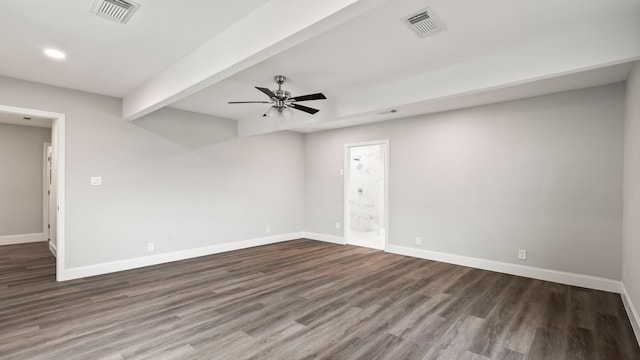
285, 113
282, 102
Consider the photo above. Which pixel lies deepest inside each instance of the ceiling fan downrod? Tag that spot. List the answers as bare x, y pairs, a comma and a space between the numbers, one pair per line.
281, 95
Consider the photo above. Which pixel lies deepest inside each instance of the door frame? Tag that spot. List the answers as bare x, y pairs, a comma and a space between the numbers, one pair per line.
58, 141
45, 195
347, 180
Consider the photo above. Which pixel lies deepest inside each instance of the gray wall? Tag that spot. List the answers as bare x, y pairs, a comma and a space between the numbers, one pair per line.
174, 173
631, 245
542, 174
21, 178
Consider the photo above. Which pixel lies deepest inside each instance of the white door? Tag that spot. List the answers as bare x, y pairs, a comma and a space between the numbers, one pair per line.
366, 194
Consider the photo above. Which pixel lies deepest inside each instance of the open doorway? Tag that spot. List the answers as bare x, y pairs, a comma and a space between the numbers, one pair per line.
52, 179
366, 194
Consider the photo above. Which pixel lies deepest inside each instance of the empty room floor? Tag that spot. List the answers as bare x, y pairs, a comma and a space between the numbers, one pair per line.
301, 299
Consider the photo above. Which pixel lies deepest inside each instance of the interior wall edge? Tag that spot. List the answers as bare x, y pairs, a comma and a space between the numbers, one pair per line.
22, 238
567, 278
128, 264
632, 313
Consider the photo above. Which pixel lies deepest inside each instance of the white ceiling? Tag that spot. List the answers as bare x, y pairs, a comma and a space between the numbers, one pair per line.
370, 50
103, 56
601, 76
376, 49
357, 52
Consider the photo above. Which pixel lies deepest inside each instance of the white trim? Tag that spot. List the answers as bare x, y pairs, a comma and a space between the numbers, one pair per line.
586, 281
21, 239
120, 265
634, 319
58, 131
60, 166
347, 178
324, 237
45, 195
53, 249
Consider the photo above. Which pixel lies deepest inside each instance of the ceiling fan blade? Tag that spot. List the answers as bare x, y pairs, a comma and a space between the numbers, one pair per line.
250, 102
268, 92
316, 96
303, 108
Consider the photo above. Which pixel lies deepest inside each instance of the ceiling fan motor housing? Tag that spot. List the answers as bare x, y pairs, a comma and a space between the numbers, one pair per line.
282, 100
282, 94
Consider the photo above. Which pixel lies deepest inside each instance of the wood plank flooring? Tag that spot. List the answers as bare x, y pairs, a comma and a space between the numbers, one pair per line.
301, 299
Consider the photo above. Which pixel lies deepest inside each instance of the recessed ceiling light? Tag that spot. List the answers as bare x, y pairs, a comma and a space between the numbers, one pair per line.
53, 53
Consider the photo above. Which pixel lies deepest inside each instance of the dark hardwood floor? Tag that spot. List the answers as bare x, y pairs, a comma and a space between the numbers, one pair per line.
301, 299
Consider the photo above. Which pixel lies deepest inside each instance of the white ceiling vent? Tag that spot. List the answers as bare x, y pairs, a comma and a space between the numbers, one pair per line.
116, 10
424, 23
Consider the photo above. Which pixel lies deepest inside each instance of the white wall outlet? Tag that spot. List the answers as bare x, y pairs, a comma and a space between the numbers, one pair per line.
418, 240
151, 246
522, 254
338, 226
268, 229
96, 181
170, 237
341, 172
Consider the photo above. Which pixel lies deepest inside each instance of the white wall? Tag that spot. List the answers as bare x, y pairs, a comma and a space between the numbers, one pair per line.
21, 178
542, 174
631, 230
173, 172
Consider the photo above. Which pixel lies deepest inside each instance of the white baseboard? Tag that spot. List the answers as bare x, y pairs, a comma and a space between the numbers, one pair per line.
21, 239
120, 265
53, 249
324, 237
586, 281
631, 312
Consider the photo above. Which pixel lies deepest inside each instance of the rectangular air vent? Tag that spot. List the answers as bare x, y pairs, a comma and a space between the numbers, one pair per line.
116, 10
423, 23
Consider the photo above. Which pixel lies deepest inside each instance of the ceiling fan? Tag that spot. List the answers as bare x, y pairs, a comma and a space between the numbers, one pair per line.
282, 100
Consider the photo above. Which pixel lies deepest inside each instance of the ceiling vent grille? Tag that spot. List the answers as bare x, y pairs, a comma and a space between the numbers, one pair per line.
424, 23
116, 10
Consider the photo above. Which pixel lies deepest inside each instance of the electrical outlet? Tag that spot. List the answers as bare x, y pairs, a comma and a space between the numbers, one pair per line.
170, 237
150, 246
337, 226
268, 229
522, 254
96, 181
341, 172
418, 240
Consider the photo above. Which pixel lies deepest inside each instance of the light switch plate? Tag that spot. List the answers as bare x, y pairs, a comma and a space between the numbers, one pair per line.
96, 181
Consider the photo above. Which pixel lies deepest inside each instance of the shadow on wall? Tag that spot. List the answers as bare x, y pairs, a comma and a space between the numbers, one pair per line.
189, 129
